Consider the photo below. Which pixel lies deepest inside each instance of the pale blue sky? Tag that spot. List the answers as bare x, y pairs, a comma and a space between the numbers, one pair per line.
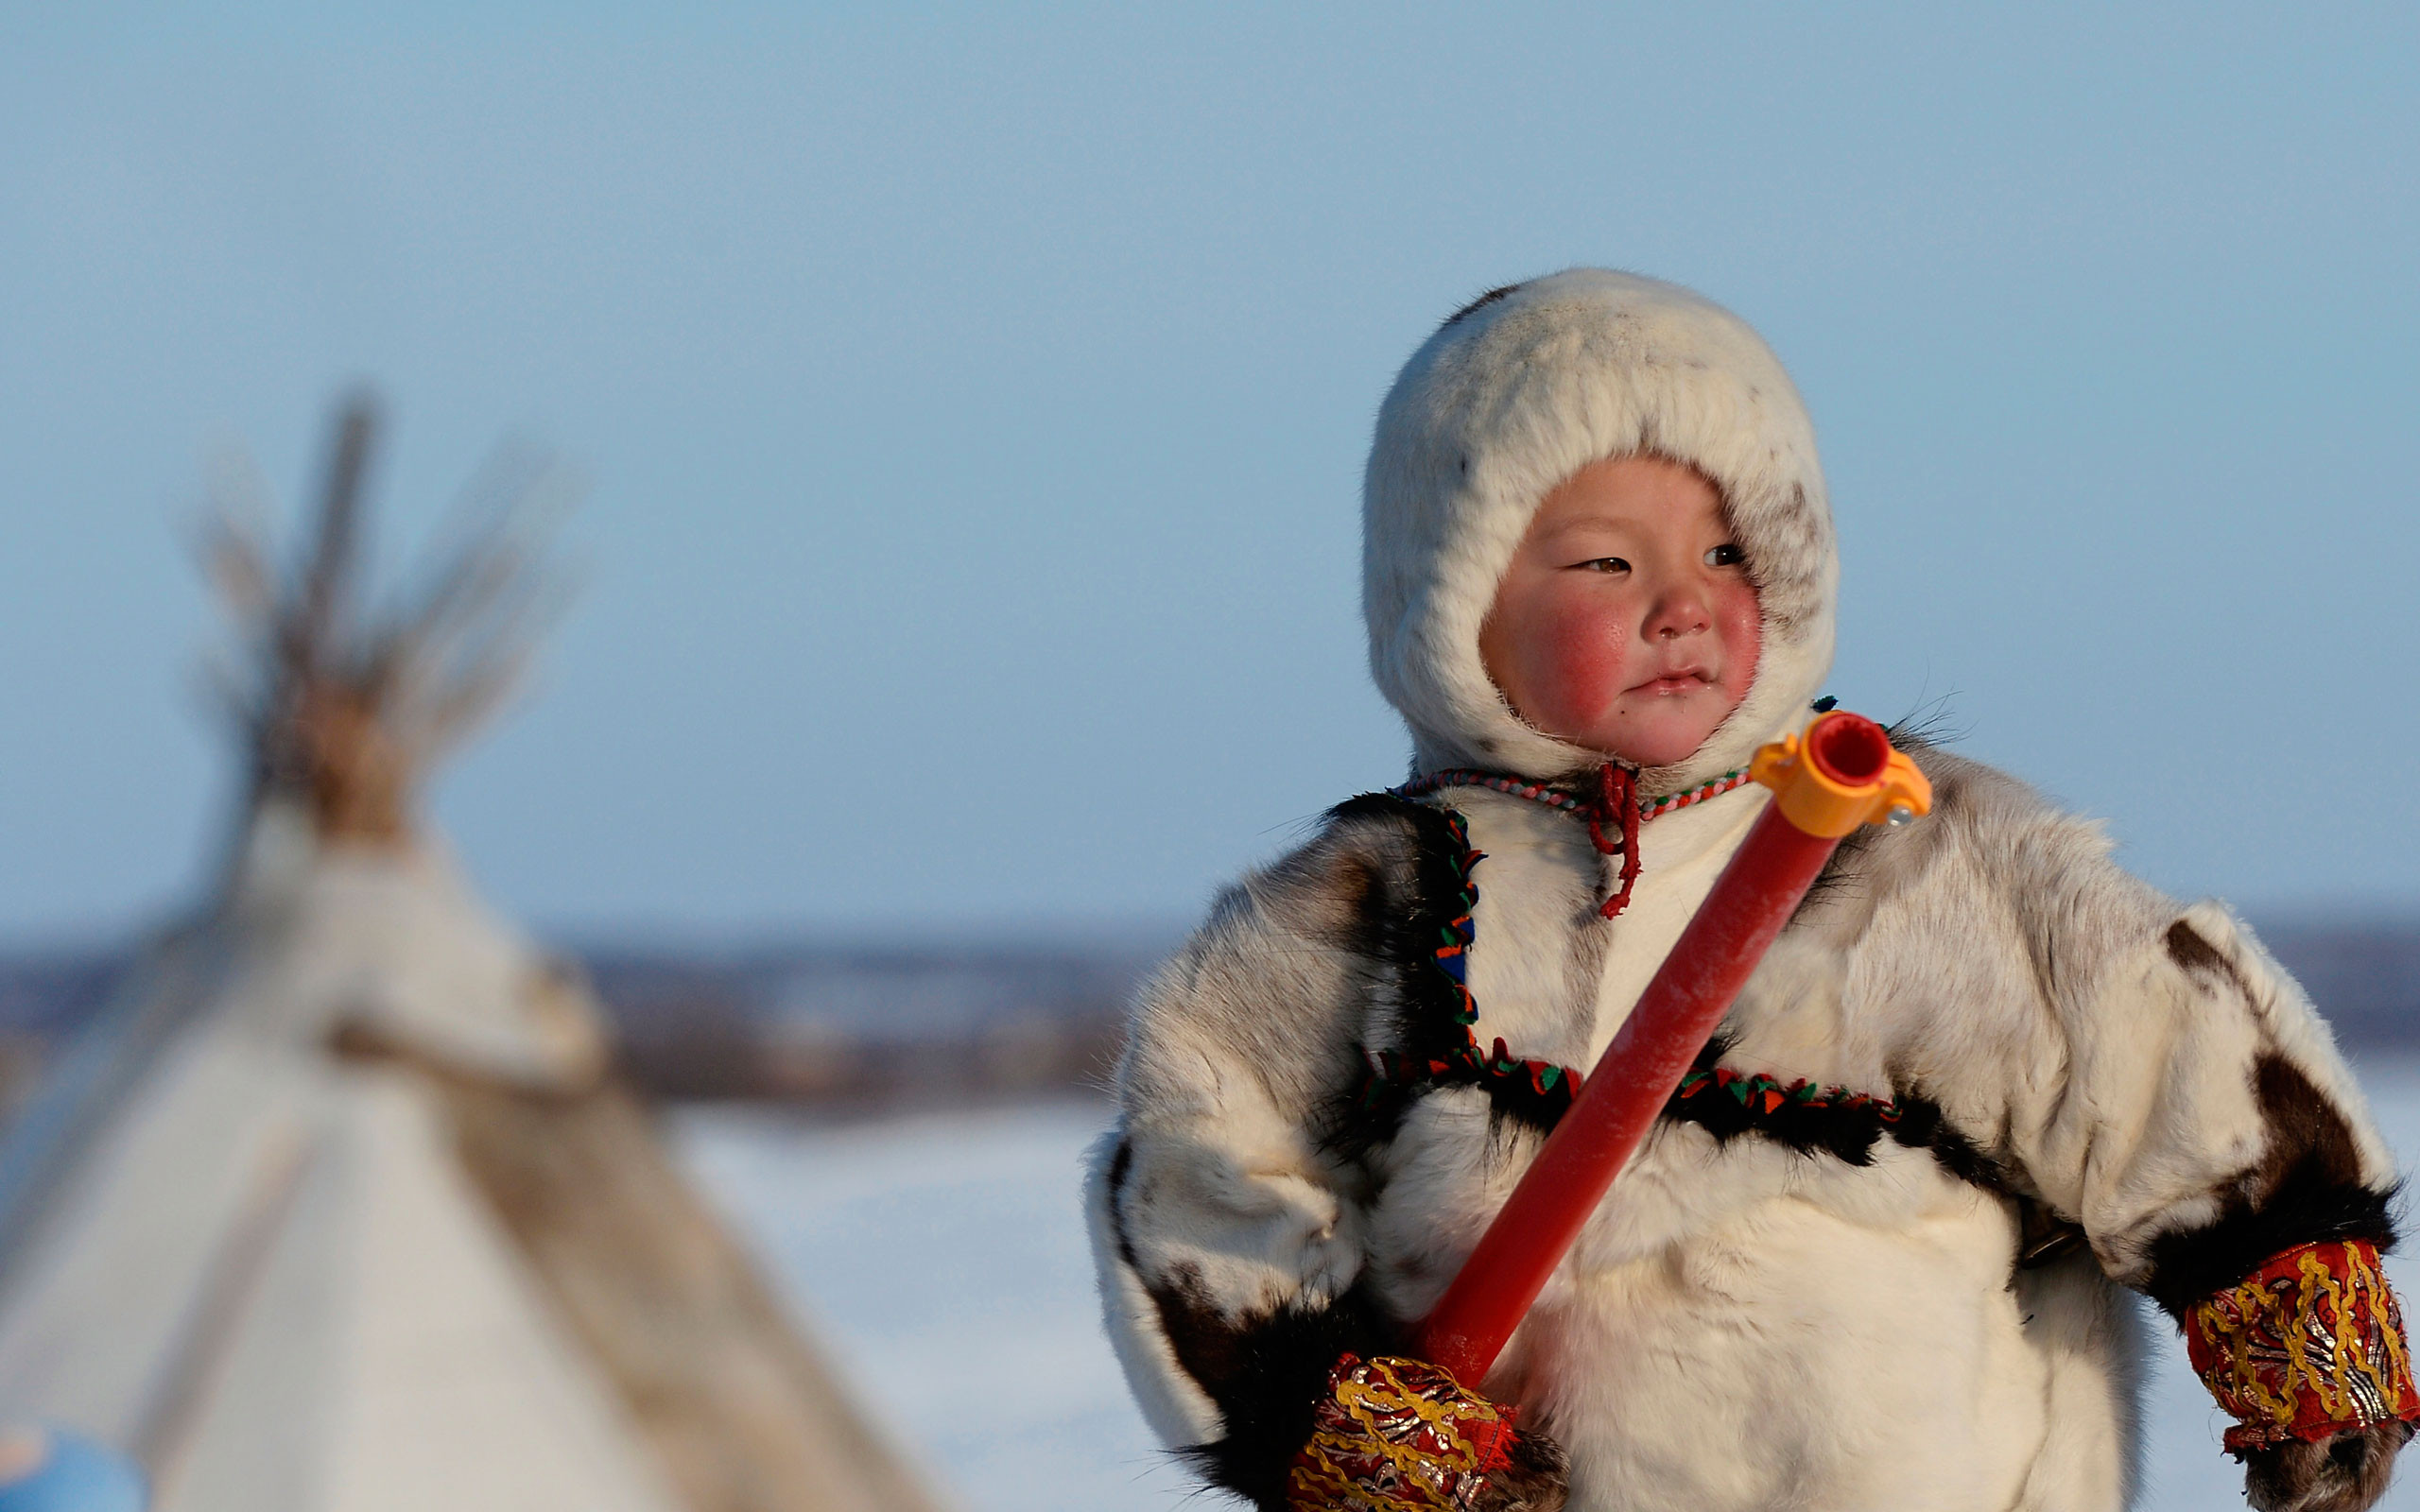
975, 404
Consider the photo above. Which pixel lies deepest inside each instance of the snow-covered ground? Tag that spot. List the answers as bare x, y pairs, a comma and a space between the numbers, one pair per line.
943, 1260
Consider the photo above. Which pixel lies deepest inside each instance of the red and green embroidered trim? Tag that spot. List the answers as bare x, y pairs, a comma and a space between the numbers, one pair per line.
1543, 1087
1544, 1079
1390, 1070
1760, 1093
1799, 1114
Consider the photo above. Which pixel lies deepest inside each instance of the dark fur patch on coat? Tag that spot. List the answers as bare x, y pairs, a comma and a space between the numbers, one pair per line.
1426, 1025
2197, 956
2306, 1189
1278, 1366
1848, 1132
1481, 303
1403, 933
1923, 1126
1265, 1371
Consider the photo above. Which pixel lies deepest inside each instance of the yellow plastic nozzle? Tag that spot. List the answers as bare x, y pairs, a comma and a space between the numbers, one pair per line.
1839, 773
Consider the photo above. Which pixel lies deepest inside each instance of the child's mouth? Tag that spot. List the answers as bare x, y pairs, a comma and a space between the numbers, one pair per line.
1675, 682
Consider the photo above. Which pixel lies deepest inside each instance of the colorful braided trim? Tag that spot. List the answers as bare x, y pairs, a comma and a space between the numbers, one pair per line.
1469, 777
1555, 798
1655, 808
1760, 1093
2309, 1345
1398, 1436
1544, 1079
1543, 1091
1466, 1061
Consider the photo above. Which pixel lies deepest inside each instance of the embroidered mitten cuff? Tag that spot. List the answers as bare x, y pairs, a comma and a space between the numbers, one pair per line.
2308, 1346
1399, 1435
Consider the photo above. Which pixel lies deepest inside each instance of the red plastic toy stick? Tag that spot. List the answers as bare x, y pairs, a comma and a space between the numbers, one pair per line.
1840, 774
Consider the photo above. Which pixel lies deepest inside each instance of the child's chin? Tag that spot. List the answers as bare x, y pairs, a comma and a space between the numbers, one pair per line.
1648, 753
1658, 744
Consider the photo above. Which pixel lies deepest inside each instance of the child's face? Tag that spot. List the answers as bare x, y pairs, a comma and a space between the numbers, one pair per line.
1626, 623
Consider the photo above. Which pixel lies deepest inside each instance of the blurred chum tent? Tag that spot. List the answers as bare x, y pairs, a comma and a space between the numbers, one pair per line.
335, 1200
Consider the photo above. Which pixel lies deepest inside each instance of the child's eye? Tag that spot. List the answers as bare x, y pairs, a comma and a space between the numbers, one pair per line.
1605, 564
1725, 555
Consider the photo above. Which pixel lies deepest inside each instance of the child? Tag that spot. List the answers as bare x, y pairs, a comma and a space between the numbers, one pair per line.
1871, 1256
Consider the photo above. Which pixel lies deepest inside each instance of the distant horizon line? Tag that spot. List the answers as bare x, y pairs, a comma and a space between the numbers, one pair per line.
675, 934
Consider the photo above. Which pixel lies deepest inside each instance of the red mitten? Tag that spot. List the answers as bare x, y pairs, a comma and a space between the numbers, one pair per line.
2308, 1346
1400, 1436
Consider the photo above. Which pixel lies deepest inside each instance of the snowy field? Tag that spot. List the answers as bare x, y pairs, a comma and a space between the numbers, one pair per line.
943, 1260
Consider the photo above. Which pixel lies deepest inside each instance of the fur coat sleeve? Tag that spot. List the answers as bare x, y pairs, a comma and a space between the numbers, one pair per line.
1227, 1225
2143, 1069
2143, 1072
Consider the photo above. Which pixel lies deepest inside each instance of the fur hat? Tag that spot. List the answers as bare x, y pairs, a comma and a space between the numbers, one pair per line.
1518, 391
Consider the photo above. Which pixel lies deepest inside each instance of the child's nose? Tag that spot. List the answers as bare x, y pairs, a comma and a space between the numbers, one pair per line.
1679, 611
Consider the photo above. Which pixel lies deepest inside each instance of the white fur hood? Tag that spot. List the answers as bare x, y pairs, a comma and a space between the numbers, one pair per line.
1513, 395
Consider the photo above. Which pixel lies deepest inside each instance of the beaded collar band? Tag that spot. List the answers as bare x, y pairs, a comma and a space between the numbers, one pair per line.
1614, 806
1555, 798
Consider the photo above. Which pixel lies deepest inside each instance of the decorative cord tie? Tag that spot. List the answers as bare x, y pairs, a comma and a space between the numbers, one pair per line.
1614, 806
1617, 801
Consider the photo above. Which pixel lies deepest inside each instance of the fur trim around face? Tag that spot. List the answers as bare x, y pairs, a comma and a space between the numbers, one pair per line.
1513, 395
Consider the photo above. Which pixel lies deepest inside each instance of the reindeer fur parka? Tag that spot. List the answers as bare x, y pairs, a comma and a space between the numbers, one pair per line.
2038, 1080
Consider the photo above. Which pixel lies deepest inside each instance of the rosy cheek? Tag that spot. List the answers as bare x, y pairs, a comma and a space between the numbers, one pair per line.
1584, 665
1741, 623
